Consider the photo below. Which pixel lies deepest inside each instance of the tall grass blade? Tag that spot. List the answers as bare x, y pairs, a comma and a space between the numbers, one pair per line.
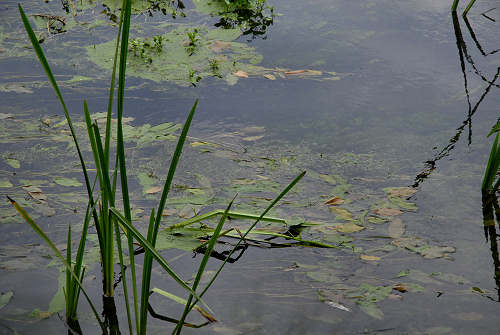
178, 329
469, 6
40, 232
155, 226
146, 245
50, 76
203, 264
454, 5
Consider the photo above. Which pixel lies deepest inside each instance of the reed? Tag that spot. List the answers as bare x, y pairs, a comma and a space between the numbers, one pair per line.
467, 9
110, 222
491, 179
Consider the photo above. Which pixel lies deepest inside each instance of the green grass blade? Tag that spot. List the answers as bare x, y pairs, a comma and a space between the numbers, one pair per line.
492, 166
40, 232
454, 5
155, 226
146, 245
469, 6
146, 277
172, 168
211, 245
50, 76
273, 203
231, 214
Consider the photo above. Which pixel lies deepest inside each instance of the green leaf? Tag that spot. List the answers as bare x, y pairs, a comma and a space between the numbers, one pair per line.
63, 181
5, 298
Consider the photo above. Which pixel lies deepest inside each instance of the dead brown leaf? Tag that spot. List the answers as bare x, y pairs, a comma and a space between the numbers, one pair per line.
400, 287
36, 193
218, 46
270, 77
388, 211
241, 74
153, 190
369, 258
401, 191
334, 201
295, 72
396, 228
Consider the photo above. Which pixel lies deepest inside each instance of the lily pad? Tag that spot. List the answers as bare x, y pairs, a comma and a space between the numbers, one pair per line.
63, 181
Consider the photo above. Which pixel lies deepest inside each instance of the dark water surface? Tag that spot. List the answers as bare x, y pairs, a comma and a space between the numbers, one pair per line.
401, 112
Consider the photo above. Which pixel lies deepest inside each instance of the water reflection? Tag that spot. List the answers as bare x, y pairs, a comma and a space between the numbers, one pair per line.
465, 59
491, 213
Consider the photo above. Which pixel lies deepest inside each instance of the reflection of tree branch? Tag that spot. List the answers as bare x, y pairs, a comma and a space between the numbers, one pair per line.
463, 55
430, 164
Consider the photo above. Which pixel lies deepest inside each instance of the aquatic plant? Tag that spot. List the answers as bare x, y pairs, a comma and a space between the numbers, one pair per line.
467, 9
111, 222
491, 179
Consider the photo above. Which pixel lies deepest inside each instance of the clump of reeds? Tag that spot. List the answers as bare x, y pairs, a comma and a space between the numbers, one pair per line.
110, 222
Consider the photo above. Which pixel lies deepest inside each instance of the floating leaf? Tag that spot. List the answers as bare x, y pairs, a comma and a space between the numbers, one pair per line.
270, 77
4, 183
67, 181
334, 201
202, 143
241, 74
4, 116
396, 228
388, 211
403, 204
5, 298
168, 212
349, 228
376, 220
400, 191
35, 193
400, 287
450, 278
329, 179
295, 72
371, 309
153, 190
337, 305
341, 213
369, 258
252, 138
421, 247
13, 162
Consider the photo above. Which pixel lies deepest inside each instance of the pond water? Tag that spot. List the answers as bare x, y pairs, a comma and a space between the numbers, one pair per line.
385, 105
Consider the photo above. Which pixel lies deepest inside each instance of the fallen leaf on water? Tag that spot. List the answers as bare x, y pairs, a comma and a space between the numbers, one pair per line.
295, 72
396, 228
338, 306
241, 74
341, 213
270, 77
35, 193
6, 116
13, 163
388, 211
153, 190
5, 298
369, 258
252, 138
218, 46
202, 143
349, 228
395, 297
400, 191
400, 287
334, 201
168, 212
